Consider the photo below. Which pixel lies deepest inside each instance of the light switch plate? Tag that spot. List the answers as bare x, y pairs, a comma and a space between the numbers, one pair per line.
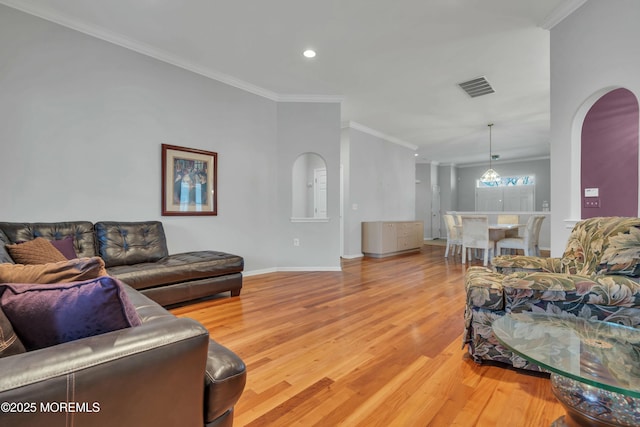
591, 192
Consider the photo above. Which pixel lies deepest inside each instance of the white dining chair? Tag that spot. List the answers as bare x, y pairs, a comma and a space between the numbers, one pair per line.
509, 219
475, 235
536, 233
454, 241
529, 242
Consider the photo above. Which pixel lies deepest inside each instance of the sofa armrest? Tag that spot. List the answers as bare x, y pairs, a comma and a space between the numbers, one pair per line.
507, 264
484, 288
225, 379
147, 375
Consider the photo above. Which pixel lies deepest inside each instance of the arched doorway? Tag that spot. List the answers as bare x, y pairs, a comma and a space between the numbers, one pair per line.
609, 156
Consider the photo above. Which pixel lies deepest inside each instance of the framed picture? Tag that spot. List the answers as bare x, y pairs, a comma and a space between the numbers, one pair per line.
189, 179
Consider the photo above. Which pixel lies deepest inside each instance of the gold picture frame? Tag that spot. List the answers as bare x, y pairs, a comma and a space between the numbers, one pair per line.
189, 181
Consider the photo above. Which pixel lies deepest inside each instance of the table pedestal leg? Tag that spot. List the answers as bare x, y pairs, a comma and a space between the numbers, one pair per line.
587, 405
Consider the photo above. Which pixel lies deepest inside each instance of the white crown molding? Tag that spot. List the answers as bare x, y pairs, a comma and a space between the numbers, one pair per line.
373, 132
504, 162
329, 99
144, 49
561, 12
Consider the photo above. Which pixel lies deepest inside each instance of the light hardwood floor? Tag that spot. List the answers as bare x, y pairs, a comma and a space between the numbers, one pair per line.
378, 344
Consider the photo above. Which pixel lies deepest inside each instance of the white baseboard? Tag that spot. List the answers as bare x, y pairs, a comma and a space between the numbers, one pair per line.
277, 269
258, 272
310, 268
352, 256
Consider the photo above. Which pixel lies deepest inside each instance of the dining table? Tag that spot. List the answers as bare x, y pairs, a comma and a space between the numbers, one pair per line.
499, 231
496, 231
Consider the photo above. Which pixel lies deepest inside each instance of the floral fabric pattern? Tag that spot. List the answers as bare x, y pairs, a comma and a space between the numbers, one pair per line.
591, 239
484, 346
484, 288
622, 256
507, 264
597, 278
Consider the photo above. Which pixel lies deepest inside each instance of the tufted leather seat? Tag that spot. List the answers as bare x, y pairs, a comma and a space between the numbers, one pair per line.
83, 234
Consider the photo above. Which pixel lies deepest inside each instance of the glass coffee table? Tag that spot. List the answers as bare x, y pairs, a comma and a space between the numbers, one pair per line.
594, 365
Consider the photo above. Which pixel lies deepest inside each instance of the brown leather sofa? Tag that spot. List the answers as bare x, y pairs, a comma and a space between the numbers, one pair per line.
166, 372
137, 254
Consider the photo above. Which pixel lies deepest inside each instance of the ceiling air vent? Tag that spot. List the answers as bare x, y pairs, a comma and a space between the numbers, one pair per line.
477, 87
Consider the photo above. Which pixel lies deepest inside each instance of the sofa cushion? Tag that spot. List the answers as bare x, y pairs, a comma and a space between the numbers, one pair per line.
507, 264
10, 344
36, 251
65, 246
178, 268
46, 315
525, 291
128, 243
73, 270
82, 233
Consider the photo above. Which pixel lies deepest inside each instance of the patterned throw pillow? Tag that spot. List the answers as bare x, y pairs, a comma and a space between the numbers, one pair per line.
604, 245
10, 344
46, 315
65, 246
74, 270
36, 251
622, 256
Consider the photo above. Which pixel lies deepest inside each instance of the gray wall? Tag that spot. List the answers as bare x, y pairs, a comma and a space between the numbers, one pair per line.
82, 125
467, 177
379, 180
593, 51
423, 197
448, 181
302, 128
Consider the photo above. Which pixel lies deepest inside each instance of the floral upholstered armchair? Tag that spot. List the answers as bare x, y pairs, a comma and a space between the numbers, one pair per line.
597, 278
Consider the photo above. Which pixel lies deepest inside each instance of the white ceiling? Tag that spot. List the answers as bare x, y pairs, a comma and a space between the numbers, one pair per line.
394, 63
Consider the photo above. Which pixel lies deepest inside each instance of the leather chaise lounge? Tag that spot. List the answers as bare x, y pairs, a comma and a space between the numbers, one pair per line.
137, 254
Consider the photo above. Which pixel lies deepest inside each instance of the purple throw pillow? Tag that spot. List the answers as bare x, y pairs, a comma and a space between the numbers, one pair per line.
65, 246
46, 315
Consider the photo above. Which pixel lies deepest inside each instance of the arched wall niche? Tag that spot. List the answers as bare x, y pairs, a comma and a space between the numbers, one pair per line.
309, 188
604, 131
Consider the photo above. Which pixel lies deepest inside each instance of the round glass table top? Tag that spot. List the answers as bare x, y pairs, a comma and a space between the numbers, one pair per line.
602, 354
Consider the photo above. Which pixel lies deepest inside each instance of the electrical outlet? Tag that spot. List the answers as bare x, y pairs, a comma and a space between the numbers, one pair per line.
296, 242
592, 202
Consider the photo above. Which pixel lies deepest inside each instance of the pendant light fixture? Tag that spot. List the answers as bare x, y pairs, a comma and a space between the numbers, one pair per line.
490, 176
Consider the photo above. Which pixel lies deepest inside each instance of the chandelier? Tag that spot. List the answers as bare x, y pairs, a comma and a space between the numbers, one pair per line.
490, 176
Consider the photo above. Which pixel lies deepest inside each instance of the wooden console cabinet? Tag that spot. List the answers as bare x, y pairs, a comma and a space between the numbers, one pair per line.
385, 238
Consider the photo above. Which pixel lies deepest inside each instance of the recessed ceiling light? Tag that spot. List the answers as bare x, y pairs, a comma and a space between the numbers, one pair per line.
309, 53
